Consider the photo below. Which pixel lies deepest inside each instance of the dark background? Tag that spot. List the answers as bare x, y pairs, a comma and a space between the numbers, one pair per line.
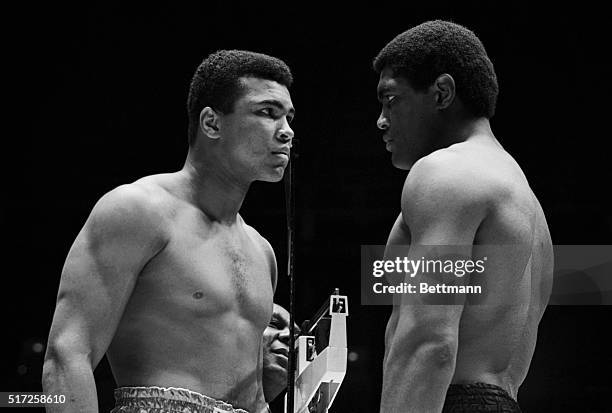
97, 98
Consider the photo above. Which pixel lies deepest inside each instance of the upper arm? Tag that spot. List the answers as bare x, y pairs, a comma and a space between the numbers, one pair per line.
272, 260
122, 233
268, 252
443, 204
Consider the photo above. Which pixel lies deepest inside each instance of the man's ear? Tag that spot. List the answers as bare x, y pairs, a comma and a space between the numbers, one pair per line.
210, 122
444, 91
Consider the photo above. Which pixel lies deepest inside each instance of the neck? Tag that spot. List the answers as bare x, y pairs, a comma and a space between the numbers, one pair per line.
213, 189
467, 129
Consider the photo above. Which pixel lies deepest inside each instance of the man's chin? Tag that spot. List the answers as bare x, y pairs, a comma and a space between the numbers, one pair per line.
401, 162
282, 362
275, 176
276, 373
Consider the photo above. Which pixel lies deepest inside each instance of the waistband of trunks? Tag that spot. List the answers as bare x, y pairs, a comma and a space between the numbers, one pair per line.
477, 389
171, 397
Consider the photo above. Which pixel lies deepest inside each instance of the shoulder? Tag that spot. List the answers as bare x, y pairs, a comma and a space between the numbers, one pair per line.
265, 247
130, 201
130, 207
449, 181
259, 240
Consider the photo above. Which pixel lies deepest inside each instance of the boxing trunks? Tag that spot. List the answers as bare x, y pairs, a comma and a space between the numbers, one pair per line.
479, 398
167, 400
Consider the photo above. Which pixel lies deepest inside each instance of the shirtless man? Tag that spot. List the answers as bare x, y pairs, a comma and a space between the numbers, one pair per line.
165, 277
438, 90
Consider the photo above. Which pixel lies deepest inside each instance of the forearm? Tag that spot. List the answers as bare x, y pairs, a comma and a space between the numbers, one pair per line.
72, 377
416, 381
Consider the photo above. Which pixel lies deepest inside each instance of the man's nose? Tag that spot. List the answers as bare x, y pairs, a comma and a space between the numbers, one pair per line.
285, 133
284, 335
382, 122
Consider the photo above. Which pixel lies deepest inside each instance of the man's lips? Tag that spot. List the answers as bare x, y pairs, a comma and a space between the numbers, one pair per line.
281, 351
282, 151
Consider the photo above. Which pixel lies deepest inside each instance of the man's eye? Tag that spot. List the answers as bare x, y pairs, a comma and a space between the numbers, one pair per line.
390, 99
267, 112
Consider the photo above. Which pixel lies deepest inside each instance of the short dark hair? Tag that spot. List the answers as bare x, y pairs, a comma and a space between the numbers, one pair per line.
428, 50
216, 81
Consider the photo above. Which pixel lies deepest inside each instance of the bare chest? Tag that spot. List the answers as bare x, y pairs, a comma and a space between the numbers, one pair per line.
211, 274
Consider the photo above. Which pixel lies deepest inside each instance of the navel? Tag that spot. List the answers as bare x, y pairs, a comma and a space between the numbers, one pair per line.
198, 294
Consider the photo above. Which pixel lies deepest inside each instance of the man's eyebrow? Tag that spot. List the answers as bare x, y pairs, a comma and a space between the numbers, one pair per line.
276, 104
280, 319
382, 90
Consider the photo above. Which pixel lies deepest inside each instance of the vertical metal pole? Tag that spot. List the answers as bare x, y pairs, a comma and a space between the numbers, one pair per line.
290, 208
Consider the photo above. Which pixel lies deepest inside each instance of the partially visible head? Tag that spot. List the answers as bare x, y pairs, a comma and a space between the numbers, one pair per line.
240, 100
443, 60
276, 352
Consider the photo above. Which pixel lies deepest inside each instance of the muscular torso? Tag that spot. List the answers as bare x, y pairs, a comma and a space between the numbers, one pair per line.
199, 307
496, 341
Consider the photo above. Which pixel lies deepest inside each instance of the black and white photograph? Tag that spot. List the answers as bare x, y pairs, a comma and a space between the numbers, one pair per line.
192, 191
